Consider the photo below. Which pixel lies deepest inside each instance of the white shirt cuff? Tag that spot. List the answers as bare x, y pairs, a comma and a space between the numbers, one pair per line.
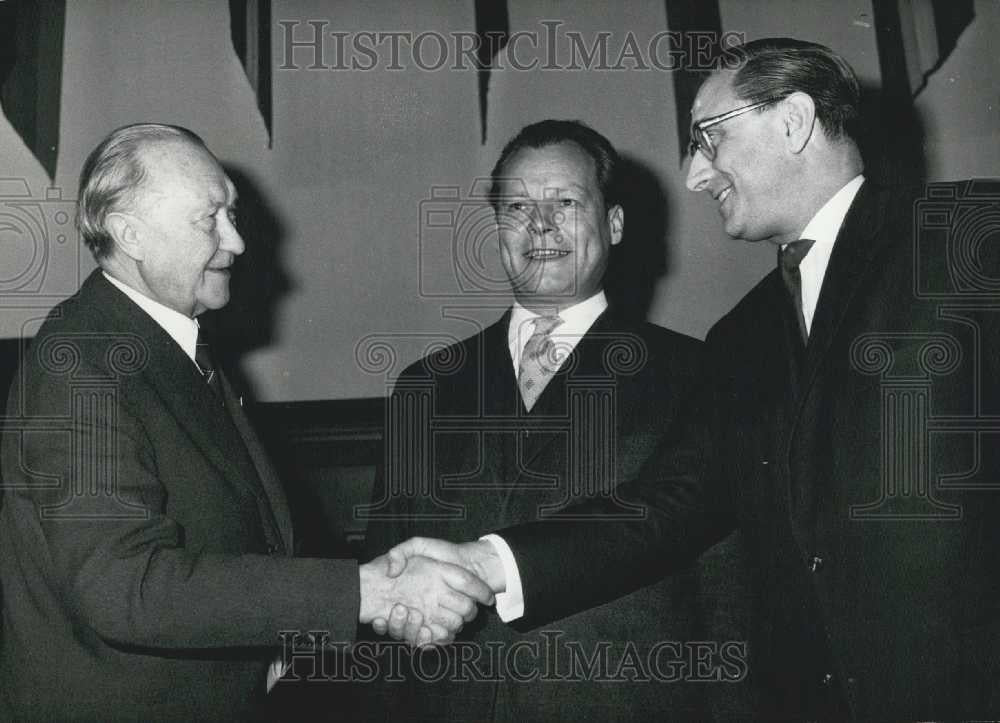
275, 670
510, 603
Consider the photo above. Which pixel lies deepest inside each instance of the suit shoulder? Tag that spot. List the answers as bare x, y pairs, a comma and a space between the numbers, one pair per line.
743, 315
80, 313
664, 350
446, 359
666, 337
667, 341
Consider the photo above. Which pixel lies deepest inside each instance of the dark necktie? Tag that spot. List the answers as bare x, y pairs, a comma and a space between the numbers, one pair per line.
203, 358
789, 259
538, 362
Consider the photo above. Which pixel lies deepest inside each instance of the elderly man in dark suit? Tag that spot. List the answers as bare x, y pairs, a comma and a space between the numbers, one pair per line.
849, 424
560, 400
146, 564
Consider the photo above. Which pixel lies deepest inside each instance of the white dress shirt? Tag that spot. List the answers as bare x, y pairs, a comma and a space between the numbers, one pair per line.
182, 329
823, 229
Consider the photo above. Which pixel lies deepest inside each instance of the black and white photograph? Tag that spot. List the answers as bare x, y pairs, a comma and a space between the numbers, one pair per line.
499, 360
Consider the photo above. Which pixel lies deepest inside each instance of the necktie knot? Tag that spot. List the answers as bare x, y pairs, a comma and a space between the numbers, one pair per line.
544, 325
792, 254
789, 259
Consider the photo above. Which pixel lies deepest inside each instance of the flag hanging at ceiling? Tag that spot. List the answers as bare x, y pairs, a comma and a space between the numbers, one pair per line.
250, 27
493, 31
31, 50
700, 23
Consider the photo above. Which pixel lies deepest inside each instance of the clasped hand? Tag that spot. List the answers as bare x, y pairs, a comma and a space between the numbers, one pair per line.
424, 590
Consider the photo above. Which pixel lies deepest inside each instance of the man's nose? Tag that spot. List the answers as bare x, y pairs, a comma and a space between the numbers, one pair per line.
699, 171
230, 238
545, 217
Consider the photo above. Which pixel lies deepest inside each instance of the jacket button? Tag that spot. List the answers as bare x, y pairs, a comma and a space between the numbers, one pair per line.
827, 679
815, 563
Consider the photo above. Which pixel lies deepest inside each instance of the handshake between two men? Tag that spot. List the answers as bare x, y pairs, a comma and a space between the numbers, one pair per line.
424, 590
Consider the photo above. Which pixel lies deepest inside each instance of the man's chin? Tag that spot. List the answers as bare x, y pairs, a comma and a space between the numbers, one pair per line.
211, 302
546, 299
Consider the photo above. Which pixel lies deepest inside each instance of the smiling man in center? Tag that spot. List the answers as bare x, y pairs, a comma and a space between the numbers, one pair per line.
560, 400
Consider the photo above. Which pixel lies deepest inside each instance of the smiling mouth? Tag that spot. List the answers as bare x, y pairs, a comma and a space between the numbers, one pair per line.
724, 194
545, 254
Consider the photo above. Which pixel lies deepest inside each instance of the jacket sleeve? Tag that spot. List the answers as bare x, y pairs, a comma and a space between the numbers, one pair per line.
89, 510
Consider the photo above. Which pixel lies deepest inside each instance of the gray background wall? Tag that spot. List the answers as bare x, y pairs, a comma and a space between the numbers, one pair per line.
357, 154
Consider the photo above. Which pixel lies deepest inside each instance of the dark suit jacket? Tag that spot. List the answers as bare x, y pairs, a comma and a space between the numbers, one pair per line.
862, 470
494, 464
145, 537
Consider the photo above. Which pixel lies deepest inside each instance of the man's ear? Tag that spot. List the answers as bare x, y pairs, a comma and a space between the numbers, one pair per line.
616, 222
122, 229
799, 117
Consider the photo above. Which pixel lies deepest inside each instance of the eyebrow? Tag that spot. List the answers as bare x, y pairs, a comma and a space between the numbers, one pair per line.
521, 191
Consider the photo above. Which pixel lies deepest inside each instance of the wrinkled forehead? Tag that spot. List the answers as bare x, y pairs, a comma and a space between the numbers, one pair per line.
181, 167
715, 96
561, 164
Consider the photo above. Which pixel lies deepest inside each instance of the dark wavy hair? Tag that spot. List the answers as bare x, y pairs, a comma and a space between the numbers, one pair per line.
777, 67
550, 132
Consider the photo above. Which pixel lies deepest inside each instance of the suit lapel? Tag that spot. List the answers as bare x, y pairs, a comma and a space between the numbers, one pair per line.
774, 385
274, 506
502, 396
857, 243
500, 404
180, 385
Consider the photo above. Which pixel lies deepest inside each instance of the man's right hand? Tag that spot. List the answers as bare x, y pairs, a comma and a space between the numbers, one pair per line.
441, 597
479, 558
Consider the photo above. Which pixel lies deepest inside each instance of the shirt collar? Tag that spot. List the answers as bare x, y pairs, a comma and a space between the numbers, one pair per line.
577, 320
823, 229
825, 225
182, 329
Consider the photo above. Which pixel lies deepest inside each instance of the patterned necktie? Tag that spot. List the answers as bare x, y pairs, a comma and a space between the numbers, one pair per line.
789, 259
203, 358
538, 360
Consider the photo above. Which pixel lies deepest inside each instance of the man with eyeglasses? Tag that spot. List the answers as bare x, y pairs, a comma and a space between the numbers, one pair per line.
848, 421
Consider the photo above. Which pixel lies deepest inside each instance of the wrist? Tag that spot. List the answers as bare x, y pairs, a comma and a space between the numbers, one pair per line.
371, 581
488, 565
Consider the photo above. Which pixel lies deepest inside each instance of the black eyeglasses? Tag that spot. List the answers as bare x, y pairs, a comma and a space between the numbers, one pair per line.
699, 138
